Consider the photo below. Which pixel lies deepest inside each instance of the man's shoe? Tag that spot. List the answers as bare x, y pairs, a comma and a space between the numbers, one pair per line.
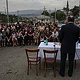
70, 75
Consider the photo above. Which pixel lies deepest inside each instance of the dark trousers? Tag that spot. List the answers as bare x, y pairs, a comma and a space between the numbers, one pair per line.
3, 43
63, 62
20, 41
26, 40
8, 43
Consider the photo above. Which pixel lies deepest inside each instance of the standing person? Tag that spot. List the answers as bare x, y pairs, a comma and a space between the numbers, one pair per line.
68, 36
26, 38
0, 39
8, 38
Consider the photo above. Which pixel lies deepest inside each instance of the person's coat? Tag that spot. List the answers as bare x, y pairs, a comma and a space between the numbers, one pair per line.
68, 36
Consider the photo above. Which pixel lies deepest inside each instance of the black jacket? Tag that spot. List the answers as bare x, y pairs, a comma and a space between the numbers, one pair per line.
68, 36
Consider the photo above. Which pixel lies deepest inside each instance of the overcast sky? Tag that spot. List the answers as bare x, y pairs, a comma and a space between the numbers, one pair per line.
15, 5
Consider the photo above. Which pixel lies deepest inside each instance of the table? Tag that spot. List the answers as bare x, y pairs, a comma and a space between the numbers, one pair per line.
50, 46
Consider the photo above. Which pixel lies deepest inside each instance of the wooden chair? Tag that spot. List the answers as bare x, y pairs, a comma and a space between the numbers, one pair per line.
33, 59
50, 60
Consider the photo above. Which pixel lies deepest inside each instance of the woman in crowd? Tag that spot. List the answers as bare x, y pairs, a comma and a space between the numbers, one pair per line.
26, 38
55, 35
8, 38
36, 36
42, 35
26, 28
30, 36
19, 37
42, 27
48, 35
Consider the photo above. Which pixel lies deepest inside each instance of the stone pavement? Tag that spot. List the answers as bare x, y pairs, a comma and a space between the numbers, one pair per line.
13, 66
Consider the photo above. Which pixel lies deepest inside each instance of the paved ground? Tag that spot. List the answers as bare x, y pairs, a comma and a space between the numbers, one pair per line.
13, 66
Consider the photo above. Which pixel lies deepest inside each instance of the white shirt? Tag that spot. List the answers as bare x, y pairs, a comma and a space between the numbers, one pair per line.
55, 34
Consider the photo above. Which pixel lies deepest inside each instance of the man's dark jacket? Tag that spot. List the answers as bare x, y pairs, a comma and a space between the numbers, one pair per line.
68, 36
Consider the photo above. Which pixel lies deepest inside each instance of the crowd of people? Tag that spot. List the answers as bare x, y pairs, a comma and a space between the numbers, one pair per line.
27, 33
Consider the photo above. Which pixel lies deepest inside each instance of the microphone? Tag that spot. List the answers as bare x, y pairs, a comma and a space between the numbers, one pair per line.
54, 46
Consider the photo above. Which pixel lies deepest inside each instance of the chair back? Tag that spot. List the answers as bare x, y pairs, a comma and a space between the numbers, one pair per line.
50, 54
32, 53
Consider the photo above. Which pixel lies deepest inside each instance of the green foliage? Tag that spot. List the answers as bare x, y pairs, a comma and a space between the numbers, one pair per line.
12, 18
46, 13
59, 15
67, 6
75, 11
64, 8
3, 18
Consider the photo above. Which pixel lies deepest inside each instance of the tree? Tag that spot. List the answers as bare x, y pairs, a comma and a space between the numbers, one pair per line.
3, 18
46, 13
75, 11
67, 7
64, 8
60, 15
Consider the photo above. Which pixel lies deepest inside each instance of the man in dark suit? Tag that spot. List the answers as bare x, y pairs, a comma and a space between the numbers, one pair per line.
68, 36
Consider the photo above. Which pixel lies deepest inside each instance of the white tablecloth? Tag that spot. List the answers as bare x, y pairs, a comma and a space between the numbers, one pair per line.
50, 46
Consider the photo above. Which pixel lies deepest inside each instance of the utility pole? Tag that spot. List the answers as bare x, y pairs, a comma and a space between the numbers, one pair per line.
7, 11
18, 14
67, 10
50, 15
44, 12
55, 14
4, 10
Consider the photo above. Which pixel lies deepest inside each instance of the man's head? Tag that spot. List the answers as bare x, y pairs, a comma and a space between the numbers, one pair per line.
71, 18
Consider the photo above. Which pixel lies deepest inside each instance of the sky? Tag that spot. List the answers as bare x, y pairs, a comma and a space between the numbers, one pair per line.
15, 5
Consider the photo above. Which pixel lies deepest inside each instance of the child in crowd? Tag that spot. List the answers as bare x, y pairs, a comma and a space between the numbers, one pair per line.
36, 36
14, 39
